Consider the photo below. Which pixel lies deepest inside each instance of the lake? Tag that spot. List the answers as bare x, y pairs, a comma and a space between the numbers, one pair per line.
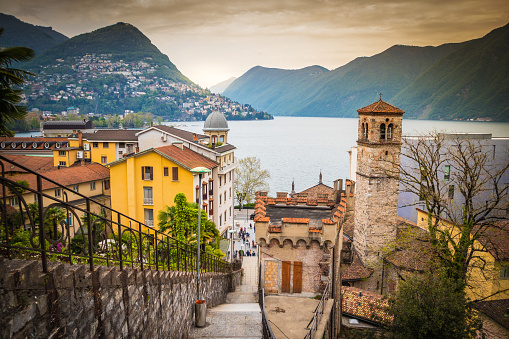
298, 148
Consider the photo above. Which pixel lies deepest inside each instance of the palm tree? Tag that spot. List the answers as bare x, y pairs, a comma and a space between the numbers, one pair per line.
10, 79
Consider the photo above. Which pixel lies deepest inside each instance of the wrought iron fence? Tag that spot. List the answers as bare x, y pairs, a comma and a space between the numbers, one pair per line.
85, 230
313, 324
267, 330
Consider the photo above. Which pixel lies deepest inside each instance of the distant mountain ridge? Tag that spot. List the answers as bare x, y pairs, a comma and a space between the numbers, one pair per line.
121, 40
220, 87
19, 33
465, 80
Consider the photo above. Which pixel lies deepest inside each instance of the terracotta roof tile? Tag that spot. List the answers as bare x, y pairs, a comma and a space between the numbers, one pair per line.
36, 164
313, 192
496, 310
495, 238
296, 220
348, 226
274, 229
262, 219
328, 222
356, 271
112, 135
186, 157
380, 107
365, 305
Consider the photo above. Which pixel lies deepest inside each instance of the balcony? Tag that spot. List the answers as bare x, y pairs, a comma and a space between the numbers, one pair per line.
227, 168
149, 223
148, 201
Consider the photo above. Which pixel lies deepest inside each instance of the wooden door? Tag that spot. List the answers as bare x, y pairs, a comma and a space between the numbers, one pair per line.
285, 284
297, 276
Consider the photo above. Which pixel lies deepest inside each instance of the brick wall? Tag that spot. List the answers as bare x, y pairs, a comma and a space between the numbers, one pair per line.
70, 301
271, 276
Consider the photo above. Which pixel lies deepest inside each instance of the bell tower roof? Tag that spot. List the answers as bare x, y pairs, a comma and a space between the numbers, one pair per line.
380, 107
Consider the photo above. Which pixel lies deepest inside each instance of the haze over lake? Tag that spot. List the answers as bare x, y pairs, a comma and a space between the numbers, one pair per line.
300, 147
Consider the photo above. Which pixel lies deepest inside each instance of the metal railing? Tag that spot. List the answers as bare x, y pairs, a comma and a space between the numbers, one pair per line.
267, 330
313, 324
85, 231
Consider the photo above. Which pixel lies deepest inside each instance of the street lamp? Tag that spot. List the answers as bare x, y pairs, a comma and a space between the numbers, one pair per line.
199, 171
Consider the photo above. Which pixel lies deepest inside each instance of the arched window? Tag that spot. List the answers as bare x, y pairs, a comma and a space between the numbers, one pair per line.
390, 131
366, 131
382, 132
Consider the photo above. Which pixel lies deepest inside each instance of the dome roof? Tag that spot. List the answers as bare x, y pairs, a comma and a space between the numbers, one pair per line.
216, 122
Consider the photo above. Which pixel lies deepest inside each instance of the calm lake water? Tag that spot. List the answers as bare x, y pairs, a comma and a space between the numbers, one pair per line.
298, 148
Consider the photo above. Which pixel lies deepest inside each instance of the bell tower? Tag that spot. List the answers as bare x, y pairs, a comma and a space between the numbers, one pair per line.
376, 199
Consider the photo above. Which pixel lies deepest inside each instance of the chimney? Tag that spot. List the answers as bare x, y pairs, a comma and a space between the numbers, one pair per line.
178, 144
213, 145
195, 137
137, 149
80, 139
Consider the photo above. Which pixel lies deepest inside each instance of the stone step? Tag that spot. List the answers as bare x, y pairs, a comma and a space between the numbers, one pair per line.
231, 321
241, 297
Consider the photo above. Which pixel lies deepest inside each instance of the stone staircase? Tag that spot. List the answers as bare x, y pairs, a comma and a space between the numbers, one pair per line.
240, 316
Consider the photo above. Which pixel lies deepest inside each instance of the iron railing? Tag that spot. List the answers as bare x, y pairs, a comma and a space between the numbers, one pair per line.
313, 324
85, 230
267, 330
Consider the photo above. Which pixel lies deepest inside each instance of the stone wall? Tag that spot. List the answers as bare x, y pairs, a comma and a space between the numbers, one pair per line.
71, 301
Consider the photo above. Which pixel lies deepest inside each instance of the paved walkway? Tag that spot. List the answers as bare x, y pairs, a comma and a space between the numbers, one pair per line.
240, 316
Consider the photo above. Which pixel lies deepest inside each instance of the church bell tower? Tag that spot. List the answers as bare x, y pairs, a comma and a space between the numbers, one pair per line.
376, 199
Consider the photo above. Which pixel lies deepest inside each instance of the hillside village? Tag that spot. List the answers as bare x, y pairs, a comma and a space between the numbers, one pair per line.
96, 86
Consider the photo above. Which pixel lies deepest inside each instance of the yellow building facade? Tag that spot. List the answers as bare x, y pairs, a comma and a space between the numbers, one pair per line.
488, 276
144, 183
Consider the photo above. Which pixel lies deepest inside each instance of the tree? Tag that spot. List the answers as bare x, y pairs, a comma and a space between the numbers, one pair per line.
250, 177
460, 180
10, 79
432, 306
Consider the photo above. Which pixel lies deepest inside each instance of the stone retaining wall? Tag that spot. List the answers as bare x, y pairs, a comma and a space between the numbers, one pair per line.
72, 302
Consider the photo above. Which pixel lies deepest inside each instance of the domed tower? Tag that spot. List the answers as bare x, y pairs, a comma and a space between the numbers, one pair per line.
376, 199
216, 127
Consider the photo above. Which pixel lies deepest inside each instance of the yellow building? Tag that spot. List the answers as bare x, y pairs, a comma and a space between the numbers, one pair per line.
91, 181
142, 184
488, 276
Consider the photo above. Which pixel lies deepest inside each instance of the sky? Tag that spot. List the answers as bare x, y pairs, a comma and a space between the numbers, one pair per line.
212, 40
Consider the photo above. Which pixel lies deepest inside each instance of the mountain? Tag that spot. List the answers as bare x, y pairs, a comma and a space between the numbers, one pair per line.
19, 33
451, 81
220, 87
122, 41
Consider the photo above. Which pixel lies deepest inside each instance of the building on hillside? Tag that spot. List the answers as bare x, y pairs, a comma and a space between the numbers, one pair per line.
102, 147
295, 236
91, 181
34, 163
220, 188
376, 198
144, 183
31, 146
66, 128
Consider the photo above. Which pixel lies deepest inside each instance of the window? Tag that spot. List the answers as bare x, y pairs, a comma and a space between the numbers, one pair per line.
451, 191
211, 207
61, 153
14, 201
211, 188
36, 197
447, 172
504, 272
220, 220
219, 181
107, 184
95, 145
166, 172
76, 188
224, 216
147, 173
62, 163
221, 138
389, 131
220, 199
147, 196
149, 217
382, 132
366, 131
231, 176
175, 173
57, 193
106, 145
121, 145
92, 186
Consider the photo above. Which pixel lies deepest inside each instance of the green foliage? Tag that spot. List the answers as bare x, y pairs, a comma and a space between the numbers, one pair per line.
432, 306
10, 80
20, 189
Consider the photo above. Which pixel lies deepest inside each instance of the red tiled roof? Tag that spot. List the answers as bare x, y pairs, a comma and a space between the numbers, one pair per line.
328, 222
111, 135
356, 271
186, 157
380, 107
495, 238
36, 164
68, 176
296, 220
312, 192
496, 310
365, 305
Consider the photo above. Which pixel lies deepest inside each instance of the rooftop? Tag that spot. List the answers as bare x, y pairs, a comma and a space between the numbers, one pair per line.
365, 305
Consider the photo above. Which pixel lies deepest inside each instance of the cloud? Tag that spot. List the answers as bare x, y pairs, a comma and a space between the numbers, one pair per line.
208, 37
